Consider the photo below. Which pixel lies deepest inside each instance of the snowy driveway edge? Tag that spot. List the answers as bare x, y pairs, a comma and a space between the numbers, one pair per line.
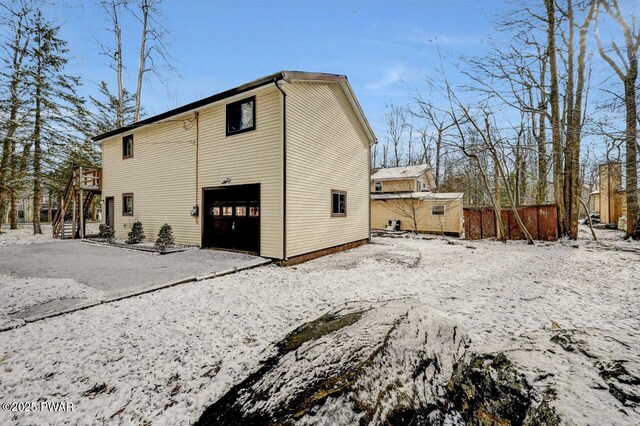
20, 323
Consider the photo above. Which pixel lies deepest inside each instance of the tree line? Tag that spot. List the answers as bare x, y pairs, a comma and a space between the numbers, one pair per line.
45, 124
528, 123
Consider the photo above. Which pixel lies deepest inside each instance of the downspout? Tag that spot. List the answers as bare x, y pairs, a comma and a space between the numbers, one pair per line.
369, 189
284, 169
197, 119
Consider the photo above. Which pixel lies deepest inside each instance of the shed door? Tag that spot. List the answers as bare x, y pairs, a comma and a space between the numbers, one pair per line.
232, 218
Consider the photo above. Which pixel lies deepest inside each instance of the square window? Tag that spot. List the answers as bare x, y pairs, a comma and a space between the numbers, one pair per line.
437, 210
127, 204
338, 203
241, 116
227, 211
215, 211
254, 211
127, 146
378, 186
241, 210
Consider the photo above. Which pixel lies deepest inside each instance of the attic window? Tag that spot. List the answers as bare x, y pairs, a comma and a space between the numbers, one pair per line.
241, 116
127, 146
378, 186
437, 210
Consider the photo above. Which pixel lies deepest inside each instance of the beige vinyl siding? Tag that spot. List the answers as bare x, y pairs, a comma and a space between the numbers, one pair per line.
451, 222
396, 185
427, 181
405, 185
250, 157
161, 177
327, 149
161, 174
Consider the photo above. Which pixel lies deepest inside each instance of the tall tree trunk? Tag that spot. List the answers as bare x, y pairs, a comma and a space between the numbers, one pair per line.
523, 182
143, 57
13, 212
119, 67
541, 136
631, 137
50, 207
13, 191
541, 139
573, 184
628, 73
554, 100
37, 148
438, 153
18, 51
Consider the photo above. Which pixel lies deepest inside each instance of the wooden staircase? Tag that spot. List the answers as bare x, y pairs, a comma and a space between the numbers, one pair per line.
84, 184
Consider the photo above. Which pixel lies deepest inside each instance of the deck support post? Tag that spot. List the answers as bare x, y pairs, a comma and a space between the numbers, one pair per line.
81, 209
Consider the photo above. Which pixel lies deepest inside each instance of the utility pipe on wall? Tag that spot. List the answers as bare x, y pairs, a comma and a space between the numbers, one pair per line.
197, 120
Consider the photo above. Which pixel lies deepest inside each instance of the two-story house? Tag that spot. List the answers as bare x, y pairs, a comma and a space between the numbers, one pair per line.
278, 167
405, 195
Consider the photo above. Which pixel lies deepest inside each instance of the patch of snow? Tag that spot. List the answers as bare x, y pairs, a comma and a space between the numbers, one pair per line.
165, 356
24, 234
26, 297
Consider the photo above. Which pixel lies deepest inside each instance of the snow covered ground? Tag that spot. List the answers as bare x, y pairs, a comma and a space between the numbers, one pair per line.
24, 234
163, 357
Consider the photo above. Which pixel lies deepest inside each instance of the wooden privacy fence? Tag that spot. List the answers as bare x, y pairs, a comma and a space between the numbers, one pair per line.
541, 221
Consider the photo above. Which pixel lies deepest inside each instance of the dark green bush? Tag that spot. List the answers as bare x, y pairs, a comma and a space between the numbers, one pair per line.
136, 235
165, 238
105, 231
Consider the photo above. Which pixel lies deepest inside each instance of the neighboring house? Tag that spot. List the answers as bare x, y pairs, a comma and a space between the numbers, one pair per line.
278, 167
416, 178
24, 208
404, 194
610, 199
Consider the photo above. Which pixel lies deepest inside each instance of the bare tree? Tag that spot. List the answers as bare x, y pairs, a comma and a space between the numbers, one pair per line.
396, 120
441, 123
113, 10
575, 93
627, 70
152, 45
403, 202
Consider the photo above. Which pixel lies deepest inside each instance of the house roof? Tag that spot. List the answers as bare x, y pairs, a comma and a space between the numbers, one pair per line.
408, 172
286, 76
425, 195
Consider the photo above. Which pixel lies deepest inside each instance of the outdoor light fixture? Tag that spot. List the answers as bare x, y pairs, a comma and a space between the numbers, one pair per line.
195, 211
225, 181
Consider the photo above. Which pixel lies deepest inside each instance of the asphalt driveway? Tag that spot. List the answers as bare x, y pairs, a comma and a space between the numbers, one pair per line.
52, 277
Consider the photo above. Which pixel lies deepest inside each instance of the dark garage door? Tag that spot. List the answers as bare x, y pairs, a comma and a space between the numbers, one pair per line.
232, 218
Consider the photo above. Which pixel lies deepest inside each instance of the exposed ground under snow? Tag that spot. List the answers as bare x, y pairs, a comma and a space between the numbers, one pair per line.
164, 356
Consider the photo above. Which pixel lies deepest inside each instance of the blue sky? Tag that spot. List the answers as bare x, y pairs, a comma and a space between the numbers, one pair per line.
386, 48
382, 46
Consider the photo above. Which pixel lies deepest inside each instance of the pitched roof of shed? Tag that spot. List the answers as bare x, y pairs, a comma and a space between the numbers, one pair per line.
286, 76
407, 172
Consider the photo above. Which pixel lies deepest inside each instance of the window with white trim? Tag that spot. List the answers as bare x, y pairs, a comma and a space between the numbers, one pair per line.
437, 210
338, 203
